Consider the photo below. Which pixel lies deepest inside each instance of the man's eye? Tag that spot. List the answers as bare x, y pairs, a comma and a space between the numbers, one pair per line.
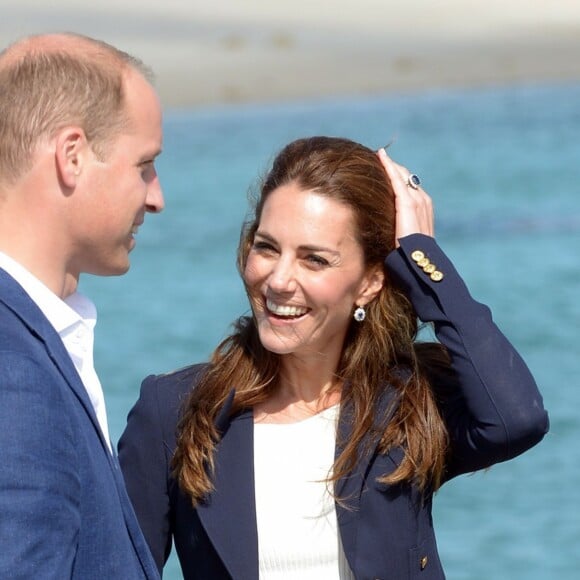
148, 168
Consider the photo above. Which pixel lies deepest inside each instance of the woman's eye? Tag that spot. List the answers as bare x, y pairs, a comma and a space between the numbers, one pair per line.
317, 260
263, 247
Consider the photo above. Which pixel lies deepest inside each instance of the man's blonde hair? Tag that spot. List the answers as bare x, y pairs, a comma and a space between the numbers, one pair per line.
53, 81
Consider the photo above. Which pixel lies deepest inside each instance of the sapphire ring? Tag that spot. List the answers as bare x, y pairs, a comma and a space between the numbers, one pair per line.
413, 181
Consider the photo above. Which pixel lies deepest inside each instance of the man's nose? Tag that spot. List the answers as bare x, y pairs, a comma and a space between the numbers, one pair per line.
155, 201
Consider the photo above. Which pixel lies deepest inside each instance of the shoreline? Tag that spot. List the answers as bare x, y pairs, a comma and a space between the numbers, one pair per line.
257, 52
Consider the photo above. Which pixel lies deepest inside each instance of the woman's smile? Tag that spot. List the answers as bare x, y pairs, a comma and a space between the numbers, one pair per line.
305, 272
285, 311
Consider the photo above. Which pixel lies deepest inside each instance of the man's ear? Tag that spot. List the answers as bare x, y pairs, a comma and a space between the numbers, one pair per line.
71, 150
371, 286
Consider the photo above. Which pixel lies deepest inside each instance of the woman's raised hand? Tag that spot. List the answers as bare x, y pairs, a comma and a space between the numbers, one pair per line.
413, 206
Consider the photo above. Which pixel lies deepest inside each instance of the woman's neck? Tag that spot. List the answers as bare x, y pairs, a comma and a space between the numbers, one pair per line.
305, 388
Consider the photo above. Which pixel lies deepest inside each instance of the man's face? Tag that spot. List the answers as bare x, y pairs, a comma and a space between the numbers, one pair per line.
115, 193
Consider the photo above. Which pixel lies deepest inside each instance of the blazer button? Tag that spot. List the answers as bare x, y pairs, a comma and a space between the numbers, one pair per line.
436, 276
430, 268
424, 561
416, 256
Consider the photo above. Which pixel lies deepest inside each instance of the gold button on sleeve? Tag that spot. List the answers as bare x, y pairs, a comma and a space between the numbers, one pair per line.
417, 255
423, 262
430, 268
424, 561
436, 276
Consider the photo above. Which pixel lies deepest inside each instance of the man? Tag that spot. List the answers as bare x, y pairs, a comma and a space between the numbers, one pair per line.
80, 128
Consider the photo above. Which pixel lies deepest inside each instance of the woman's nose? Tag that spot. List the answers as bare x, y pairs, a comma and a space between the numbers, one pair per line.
282, 278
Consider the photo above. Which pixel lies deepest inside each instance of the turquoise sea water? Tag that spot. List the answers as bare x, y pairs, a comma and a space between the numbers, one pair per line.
503, 168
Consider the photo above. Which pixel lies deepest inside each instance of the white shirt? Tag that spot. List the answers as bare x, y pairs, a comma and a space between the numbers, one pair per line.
298, 533
74, 318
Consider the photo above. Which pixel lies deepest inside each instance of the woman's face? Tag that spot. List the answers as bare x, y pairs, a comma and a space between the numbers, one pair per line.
305, 271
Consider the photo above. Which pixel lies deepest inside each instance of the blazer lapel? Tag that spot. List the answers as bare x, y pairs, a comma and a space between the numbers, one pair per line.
350, 488
135, 534
229, 513
32, 317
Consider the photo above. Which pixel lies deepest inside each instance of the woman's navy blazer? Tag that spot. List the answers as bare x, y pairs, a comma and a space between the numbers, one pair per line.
493, 413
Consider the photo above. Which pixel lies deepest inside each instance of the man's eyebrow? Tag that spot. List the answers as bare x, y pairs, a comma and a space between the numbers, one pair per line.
150, 156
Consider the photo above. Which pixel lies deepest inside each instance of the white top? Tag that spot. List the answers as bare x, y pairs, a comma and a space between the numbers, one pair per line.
74, 318
296, 517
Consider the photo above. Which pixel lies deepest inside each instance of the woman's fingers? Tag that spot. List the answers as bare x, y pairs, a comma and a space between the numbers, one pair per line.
413, 206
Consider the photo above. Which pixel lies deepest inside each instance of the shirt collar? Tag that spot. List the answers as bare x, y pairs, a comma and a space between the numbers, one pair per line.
62, 314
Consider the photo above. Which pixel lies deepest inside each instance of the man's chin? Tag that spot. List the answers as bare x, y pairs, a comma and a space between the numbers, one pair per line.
110, 269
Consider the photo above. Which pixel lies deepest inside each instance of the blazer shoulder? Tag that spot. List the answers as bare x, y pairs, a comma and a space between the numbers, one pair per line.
168, 391
179, 381
14, 332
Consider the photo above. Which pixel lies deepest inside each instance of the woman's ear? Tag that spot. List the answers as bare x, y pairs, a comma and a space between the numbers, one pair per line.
371, 285
71, 149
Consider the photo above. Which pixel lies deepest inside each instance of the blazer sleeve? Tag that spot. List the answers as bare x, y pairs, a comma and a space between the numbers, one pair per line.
144, 456
494, 411
145, 452
39, 481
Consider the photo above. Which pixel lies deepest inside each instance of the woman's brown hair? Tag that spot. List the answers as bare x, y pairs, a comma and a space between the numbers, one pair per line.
380, 351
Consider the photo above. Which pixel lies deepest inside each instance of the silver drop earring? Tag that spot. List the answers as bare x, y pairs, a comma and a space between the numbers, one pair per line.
359, 314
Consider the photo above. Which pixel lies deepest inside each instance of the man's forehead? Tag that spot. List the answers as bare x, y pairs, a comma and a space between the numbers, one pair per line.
58, 43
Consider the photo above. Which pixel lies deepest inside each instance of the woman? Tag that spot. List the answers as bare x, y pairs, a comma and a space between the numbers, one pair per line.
312, 443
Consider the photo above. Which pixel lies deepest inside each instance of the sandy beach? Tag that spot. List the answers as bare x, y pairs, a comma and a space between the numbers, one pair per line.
231, 51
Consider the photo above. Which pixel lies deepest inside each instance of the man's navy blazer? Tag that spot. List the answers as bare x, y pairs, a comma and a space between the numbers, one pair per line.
492, 409
64, 510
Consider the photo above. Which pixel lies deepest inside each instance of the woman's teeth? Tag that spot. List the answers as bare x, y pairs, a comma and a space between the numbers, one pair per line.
280, 310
